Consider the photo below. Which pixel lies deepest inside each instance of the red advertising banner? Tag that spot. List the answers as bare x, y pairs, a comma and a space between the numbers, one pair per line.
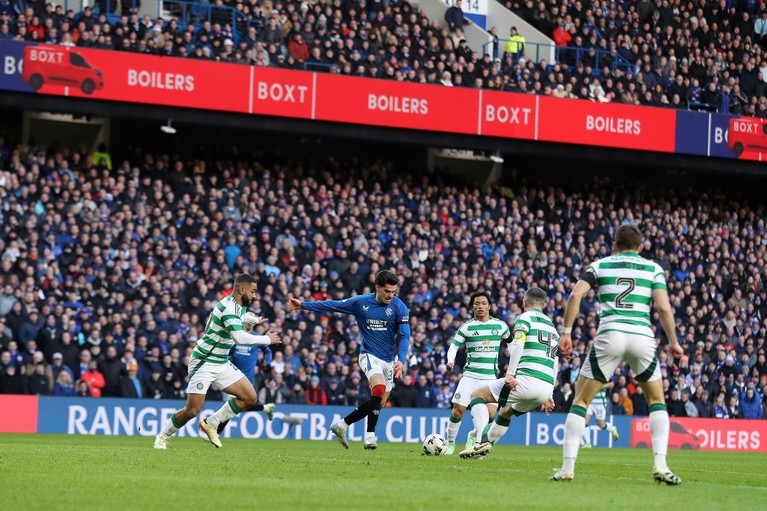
18, 414
136, 78
605, 124
747, 138
282, 93
191, 83
706, 434
509, 115
396, 104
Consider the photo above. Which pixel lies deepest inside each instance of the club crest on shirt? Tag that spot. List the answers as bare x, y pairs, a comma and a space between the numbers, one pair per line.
494, 331
389, 311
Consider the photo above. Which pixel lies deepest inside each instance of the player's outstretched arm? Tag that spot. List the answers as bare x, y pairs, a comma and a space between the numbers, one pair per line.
580, 290
342, 306
294, 304
242, 337
666, 314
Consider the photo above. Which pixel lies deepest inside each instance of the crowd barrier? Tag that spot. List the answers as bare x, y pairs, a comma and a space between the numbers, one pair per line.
141, 417
191, 83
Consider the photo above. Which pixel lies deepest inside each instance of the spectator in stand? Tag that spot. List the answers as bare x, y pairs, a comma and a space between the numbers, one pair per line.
298, 396
561, 35
751, 405
64, 385
515, 46
733, 408
129, 385
427, 394
711, 97
640, 403
155, 387
690, 409
704, 406
404, 394
39, 382
720, 407
82, 389
315, 394
335, 393
180, 231
675, 406
298, 49
617, 405
454, 16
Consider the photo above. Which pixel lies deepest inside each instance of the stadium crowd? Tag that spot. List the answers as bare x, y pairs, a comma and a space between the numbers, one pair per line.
108, 271
672, 53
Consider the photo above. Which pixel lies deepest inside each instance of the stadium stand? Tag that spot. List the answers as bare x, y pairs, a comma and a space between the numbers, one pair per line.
703, 56
108, 273
677, 49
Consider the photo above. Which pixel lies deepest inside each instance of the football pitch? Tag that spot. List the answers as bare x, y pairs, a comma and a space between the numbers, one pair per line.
55, 472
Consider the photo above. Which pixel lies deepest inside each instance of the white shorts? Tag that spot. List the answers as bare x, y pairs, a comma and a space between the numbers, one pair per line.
466, 386
530, 394
611, 348
370, 365
597, 410
204, 374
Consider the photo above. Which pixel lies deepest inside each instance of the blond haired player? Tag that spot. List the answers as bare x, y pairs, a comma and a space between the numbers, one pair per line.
529, 381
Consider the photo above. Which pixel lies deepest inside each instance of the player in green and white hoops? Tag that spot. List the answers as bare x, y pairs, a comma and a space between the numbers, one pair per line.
529, 381
627, 285
598, 408
482, 336
210, 365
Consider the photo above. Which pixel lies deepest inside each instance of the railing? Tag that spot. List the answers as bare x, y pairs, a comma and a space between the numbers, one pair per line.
197, 12
320, 67
563, 55
109, 7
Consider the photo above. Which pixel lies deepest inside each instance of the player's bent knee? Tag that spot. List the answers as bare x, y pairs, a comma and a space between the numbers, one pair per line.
249, 398
378, 390
507, 412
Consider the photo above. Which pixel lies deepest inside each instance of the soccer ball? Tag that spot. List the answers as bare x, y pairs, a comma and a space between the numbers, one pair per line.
434, 445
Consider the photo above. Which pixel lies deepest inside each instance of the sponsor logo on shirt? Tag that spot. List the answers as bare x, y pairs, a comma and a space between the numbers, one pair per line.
376, 324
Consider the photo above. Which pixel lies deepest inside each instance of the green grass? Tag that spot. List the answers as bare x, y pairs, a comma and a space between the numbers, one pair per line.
116, 473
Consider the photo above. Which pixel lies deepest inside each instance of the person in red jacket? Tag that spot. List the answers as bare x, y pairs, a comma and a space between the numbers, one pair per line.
315, 395
94, 378
561, 36
298, 48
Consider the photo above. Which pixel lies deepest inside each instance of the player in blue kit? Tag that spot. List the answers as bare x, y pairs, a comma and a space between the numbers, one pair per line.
384, 322
245, 358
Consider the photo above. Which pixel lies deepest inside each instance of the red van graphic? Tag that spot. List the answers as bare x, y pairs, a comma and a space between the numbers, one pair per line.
56, 65
679, 437
747, 134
